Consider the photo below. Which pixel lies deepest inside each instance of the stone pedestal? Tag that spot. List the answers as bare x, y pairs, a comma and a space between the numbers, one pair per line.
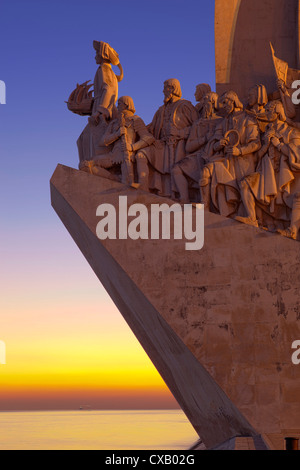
217, 323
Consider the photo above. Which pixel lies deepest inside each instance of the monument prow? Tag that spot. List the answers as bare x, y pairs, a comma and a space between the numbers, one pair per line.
218, 324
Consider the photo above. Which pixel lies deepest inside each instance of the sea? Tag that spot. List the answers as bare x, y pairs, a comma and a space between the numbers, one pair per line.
96, 430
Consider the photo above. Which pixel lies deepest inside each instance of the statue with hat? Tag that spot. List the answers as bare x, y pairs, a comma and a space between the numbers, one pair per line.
125, 135
100, 104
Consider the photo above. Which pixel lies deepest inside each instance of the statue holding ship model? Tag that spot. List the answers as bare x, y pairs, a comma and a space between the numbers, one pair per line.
101, 105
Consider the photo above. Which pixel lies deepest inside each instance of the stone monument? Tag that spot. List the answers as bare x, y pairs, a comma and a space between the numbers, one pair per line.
243, 32
219, 323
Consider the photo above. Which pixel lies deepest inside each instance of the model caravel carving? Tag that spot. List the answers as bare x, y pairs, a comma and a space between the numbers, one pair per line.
218, 324
81, 99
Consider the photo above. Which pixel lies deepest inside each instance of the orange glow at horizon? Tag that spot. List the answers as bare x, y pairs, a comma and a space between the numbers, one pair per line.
67, 359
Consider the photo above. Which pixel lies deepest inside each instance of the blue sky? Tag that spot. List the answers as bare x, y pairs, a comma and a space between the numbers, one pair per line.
46, 48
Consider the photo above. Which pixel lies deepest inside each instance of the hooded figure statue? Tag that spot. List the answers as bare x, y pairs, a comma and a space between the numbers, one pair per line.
104, 104
124, 136
106, 81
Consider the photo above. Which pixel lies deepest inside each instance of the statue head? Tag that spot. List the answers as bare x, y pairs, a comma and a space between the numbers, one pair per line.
257, 95
126, 105
171, 89
105, 53
275, 111
201, 90
209, 104
229, 102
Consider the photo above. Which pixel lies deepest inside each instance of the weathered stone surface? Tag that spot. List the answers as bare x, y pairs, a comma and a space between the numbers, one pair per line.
232, 307
124, 268
243, 32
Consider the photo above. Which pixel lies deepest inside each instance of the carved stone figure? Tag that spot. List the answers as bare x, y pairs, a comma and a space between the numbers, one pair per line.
289, 107
105, 82
103, 106
186, 173
275, 187
203, 129
243, 32
257, 100
201, 90
231, 155
171, 127
124, 136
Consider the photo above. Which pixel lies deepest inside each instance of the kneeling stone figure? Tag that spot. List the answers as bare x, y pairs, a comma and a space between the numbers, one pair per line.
125, 136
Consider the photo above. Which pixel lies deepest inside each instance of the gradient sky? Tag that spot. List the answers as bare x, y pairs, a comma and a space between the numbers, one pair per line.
66, 343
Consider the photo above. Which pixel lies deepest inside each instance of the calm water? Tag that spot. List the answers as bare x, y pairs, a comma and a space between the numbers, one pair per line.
96, 430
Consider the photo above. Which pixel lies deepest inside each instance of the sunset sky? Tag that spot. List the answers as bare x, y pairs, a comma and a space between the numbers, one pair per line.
66, 343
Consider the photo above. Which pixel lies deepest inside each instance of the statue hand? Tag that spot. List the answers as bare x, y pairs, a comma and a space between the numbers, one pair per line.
224, 142
268, 136
275, 141
267, 139
122, 131
233, 151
